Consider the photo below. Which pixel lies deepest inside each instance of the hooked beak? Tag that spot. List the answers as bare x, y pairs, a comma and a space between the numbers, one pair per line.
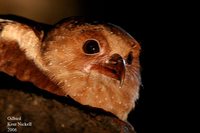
114, 68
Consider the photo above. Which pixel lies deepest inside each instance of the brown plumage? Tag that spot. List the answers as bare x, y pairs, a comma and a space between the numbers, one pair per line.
96, 64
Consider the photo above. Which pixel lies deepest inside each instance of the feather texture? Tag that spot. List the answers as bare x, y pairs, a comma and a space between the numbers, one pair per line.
96, 64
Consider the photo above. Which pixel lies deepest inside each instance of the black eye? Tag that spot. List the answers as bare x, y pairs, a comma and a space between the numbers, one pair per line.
91, 47
129, 59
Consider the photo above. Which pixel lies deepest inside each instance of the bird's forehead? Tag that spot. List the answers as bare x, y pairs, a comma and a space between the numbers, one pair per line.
117, 39
119, 42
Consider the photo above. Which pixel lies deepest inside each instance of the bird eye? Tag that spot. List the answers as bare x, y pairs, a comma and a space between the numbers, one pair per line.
129, 59
91, 47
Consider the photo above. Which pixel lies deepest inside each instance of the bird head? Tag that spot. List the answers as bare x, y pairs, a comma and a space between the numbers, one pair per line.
96, 64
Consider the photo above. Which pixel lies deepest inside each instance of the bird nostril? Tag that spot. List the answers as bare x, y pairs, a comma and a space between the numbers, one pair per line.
115, 59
